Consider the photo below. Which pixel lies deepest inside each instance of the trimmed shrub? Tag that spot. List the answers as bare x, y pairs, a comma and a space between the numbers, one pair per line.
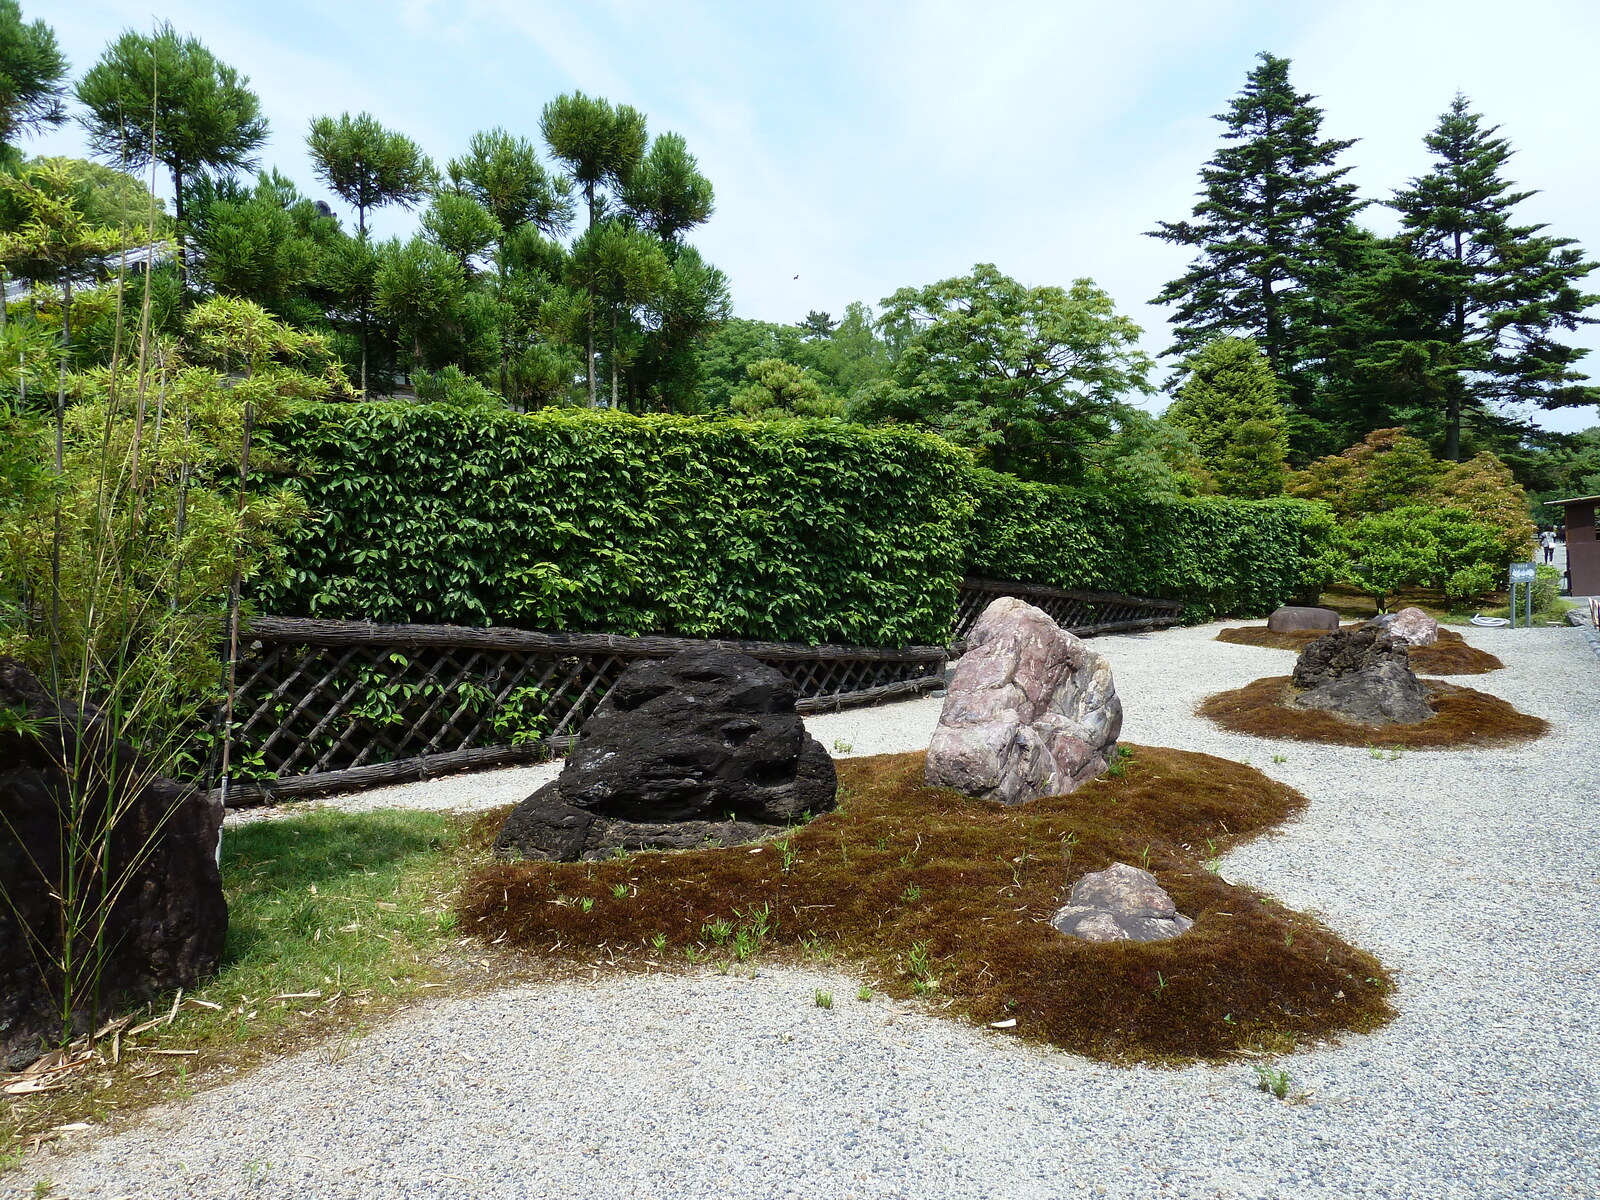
806, 531
803, 531
1217, 555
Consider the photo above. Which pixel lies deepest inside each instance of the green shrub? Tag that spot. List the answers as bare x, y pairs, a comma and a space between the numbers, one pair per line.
574, 519
1423, 546
1238, 557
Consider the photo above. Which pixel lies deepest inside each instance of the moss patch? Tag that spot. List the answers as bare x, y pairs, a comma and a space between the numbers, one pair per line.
936, 894
1450, 655
1464, 719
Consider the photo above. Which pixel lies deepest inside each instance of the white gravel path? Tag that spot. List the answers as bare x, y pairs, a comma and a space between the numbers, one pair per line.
1474, 874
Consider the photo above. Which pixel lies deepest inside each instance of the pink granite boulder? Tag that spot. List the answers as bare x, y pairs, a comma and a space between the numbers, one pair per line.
1031, 711
1410, 625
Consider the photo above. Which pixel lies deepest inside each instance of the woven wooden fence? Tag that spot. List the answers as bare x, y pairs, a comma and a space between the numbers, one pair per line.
333, 705
1085, 613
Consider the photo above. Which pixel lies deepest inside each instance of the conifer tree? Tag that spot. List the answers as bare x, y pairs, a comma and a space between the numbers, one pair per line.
33, 75
1229, 406
1468, 309
165, 98
369, 167
1272, 231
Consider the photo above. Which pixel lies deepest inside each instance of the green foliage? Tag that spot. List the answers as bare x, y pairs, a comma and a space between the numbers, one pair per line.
1271, 233
1422, 546
452, 386
367, 165
33, 74
777, 389
1228, 405
164, 98
790, 531
1386, 469
1027, 377
1219, 556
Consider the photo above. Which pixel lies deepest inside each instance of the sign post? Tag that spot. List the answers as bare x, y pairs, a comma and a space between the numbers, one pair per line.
1523, 576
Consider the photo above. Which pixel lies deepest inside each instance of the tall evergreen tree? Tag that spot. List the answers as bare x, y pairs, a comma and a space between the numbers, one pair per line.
164, 98
1272, 231
1484, 297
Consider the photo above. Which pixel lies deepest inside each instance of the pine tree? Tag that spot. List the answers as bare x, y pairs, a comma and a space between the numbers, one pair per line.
165, 98
33, 75
1273, 232
1486, 295
1229, 406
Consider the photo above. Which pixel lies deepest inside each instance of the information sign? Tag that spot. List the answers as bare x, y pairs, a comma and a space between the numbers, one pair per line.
1522, 573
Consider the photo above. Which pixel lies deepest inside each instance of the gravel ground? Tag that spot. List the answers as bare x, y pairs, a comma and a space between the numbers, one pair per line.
1472, 873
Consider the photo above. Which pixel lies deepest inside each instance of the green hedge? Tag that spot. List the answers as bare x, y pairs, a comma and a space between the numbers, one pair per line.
598, 521
1219, 556
803, 531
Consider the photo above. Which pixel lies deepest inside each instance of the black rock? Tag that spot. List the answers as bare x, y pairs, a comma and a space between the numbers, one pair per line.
1347, 652
705, 745
164, 915
1386, 693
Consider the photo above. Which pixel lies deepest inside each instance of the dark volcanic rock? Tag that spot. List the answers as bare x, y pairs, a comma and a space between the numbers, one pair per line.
705, 745
166, 918
1385, 693
1347, 652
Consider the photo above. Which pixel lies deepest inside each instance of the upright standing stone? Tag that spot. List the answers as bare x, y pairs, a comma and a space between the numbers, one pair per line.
1031, 711
165, 918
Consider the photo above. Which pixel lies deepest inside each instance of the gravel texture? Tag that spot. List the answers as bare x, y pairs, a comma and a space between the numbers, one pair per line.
1472, 873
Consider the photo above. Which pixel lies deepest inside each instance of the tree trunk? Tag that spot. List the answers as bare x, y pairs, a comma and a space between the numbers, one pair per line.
177, 206
361, 225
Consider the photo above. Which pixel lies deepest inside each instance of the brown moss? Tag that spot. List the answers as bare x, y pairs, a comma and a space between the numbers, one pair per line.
1450, 655
904, 873
1464, 719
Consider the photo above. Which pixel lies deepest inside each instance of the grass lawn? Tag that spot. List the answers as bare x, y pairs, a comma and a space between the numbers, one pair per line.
334, 918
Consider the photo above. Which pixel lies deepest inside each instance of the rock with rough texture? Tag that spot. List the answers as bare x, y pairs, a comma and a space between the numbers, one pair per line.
701, 748
1120, 904
167, 919
1292, 618
1385, 693
1410, 625
1347, 652
1031, 711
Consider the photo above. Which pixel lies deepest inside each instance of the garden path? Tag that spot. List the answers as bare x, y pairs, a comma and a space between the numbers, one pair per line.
1474, 874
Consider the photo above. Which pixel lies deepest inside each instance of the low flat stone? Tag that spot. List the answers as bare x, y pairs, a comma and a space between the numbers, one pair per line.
1123, 903
1290, 619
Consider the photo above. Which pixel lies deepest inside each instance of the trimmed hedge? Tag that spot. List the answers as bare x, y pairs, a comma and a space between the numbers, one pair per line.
1219, 556
804, 531
609, 522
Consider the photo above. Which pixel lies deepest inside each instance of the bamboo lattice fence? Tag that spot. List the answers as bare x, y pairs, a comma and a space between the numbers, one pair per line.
332, 705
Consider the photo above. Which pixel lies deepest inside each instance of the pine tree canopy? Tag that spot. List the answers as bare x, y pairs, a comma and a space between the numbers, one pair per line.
33, 75
1272, 228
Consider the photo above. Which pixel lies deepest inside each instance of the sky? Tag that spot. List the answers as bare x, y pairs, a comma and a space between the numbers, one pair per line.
859, 147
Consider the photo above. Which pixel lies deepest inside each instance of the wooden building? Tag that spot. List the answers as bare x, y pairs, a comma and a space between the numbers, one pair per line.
1583, 551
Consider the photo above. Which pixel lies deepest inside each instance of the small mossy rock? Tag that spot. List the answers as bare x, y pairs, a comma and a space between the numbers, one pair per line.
1385, 693
1292, 618
701, 747
1030, 710
165, 919
1346, 652
1411, 625
1123, 903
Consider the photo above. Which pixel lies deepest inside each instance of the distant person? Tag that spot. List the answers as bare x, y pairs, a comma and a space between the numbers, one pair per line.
1547, 539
